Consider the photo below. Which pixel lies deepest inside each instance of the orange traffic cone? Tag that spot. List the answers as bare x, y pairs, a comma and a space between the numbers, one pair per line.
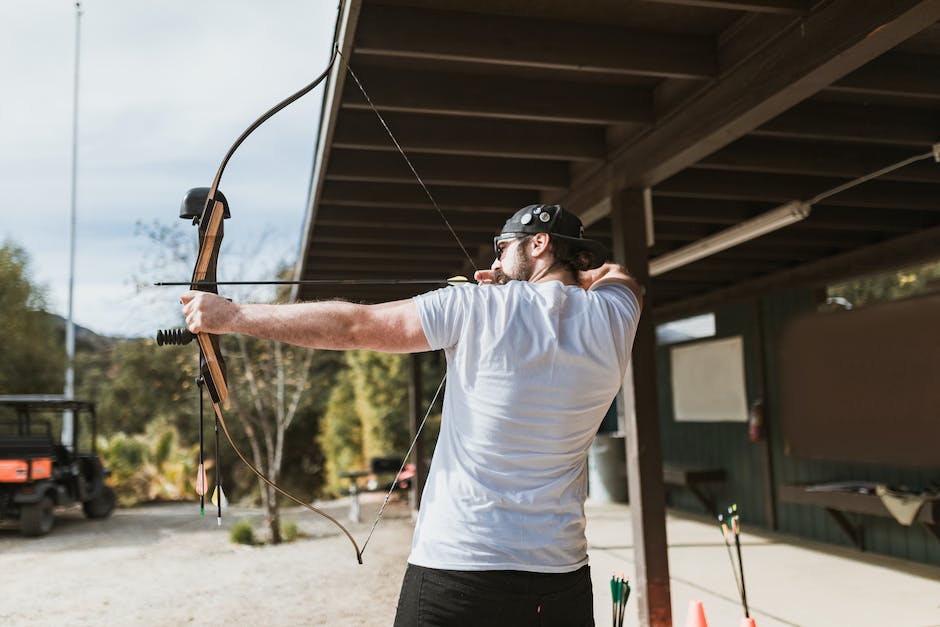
696, 617
747, 622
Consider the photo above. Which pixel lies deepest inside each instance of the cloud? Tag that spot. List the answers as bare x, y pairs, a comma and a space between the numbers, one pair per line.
165, 87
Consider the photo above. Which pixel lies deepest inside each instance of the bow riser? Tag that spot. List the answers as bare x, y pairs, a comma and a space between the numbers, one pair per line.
214, 366
211, 231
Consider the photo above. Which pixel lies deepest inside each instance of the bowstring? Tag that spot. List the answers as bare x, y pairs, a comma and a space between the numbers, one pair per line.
457, 239
403, 464
407, 160
440, 212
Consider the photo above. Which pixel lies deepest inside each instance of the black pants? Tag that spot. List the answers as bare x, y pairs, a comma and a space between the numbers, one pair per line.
504, 598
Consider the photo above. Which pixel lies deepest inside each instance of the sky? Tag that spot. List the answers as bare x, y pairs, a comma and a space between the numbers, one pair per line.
165, 87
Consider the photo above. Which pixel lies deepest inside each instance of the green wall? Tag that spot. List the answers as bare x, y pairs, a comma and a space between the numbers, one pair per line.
727, 445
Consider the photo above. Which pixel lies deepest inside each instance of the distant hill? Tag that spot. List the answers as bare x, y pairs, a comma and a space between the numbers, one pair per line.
85, 339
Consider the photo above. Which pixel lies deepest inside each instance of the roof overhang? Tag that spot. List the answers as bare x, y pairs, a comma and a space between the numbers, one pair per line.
723, 110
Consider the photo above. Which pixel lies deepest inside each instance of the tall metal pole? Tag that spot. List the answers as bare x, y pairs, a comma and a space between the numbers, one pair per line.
68, 418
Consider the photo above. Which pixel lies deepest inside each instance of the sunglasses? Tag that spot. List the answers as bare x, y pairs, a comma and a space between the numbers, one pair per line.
503, 237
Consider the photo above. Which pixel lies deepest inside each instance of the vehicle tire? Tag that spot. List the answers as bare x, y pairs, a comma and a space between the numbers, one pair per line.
102, 505
36, 519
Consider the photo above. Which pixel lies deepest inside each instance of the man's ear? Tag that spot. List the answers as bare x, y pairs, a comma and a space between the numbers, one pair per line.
540, 243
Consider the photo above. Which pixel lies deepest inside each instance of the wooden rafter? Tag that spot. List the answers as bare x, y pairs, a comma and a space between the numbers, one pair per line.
484, 96
400, 32
830, 43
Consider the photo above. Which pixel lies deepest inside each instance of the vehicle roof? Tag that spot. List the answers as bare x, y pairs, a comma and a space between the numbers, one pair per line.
44, 402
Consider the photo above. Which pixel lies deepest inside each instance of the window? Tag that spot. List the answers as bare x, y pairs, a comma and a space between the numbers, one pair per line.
694, 328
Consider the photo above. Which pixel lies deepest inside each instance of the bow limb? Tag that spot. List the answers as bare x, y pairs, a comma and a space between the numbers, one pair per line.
277, 488
212, 365
210, 239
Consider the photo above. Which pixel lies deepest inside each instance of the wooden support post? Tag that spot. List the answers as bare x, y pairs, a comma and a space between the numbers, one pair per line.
644, 449
416, 402
765, 453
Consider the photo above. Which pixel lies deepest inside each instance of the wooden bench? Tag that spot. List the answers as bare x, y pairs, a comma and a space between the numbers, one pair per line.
693, 478
839, 502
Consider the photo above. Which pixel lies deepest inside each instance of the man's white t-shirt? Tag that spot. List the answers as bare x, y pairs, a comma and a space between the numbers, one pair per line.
532, 370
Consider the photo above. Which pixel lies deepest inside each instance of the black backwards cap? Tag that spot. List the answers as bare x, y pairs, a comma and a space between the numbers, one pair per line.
557, 222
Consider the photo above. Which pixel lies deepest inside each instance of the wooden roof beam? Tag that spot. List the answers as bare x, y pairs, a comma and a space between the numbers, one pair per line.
784, 156
895, 74
389, 31
831, 42
499, 97
747, 254
387, 252
391, 268
367, 235
866, 219
411, 196
675, 209
406, 220
663, 286
917, 128
792, 236
375, 268
727, 213
781, 7
388, 167
709, 266
741, 186
403, 268
475, 137
779, 188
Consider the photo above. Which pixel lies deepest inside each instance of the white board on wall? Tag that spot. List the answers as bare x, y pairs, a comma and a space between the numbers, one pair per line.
708, 381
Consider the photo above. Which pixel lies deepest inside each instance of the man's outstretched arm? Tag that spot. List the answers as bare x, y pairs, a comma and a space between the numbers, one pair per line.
392, 327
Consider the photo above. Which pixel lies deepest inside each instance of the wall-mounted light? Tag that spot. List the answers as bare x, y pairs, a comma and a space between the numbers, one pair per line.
768, 222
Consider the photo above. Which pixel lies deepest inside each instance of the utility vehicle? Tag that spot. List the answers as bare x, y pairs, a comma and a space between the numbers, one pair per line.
48, 459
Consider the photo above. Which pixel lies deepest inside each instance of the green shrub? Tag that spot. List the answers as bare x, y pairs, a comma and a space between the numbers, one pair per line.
149, 466
289, 531
242, 533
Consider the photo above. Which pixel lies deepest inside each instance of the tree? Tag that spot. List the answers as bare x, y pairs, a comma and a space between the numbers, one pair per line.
134, 384
885, 286
368, 412
341, 434
33, 356
380, 381
153, 465
273, 381
271, 386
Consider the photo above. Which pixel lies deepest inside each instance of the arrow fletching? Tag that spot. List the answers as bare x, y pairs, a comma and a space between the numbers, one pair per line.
201, 481
215, 497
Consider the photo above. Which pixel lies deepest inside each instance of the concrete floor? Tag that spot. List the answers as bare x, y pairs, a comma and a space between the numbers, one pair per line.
789, 581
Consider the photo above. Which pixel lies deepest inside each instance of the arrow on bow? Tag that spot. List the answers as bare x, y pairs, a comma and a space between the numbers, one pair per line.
210, 221
454, 280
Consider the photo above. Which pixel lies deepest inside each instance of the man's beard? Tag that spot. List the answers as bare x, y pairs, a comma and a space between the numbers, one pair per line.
522, 268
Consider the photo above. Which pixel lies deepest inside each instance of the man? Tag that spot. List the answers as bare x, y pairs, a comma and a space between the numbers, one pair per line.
535, 353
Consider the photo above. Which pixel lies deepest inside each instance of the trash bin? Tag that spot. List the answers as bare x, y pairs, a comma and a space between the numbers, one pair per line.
607, 469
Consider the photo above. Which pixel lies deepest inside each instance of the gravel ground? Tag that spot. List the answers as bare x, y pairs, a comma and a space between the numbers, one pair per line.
164, 565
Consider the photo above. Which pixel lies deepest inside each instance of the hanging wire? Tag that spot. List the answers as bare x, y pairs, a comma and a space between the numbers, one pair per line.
933, 154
